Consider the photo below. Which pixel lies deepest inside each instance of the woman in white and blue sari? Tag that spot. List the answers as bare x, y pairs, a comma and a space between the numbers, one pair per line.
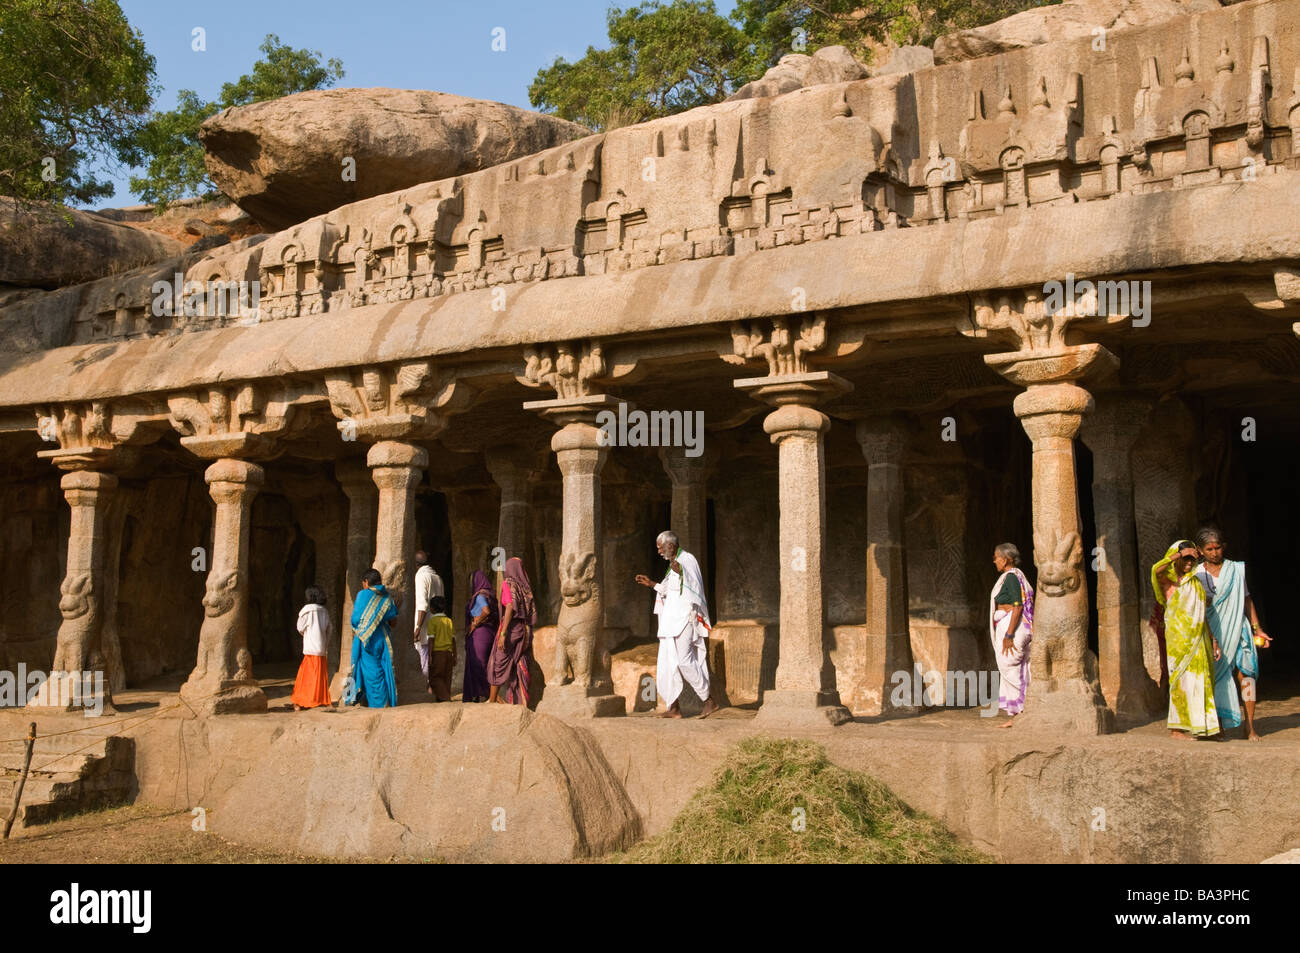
1230, 614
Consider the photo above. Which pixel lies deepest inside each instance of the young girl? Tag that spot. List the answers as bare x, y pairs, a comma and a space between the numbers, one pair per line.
312, 687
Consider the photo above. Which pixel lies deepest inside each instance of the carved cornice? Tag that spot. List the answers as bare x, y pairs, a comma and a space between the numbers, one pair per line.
91, 435
572, 369
400, 401
238, 421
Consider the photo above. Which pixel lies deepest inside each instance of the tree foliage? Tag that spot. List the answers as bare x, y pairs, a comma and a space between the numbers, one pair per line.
665, 57
169, 141
662, 59
774, 27
75, 84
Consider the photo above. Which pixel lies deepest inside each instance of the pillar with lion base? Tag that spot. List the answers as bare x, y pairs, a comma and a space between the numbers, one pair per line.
1064, 691
93, 440
78, 656
392, 407
230, 426
581, 641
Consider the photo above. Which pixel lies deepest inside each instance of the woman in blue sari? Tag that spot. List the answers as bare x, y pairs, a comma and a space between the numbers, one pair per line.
372, 650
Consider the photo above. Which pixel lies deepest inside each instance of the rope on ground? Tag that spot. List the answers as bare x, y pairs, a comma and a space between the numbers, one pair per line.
120, 727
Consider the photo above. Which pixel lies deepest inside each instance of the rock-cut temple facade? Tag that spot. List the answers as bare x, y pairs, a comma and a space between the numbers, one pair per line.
1044, 297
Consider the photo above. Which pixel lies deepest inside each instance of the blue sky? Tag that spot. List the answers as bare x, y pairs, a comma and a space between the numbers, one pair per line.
410, 44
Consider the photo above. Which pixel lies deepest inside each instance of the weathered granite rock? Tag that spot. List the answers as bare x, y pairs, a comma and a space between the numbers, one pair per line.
455, 782
40, 248
906, 59
283, 161
830, 64
1066, 21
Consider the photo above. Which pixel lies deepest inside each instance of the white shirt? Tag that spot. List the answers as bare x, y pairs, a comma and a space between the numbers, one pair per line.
314, 624
680, 599
1209, 582
428, 584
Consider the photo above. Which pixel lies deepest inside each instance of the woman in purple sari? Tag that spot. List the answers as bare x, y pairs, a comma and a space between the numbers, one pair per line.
512, 649
481, 619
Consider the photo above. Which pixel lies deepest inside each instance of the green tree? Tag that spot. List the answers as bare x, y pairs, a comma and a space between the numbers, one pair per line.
663, 58
777, 27
75, 83
169, 141
667, 57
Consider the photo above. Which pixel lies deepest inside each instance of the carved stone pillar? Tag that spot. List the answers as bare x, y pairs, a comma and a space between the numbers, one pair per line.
392, 405
889, 647
222, 680
1164, 503
805, 692
941, 612
78, 651
397, 470
363, 500
1064, 693
581, 643
690, 477
514, 476
1110, 432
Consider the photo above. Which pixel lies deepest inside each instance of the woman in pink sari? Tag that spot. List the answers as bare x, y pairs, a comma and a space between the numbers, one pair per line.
513, 650
1011, 626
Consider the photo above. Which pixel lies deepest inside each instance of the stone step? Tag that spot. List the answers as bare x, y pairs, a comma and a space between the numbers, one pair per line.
69, 774
48, 762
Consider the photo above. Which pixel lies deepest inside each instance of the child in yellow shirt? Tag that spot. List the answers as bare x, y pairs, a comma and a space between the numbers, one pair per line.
442, 642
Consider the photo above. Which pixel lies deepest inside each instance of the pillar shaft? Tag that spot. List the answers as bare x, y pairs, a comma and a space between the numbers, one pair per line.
1110, 433
1063, 690
359, 487
222, 680
689, 518
78, 646
581, 642
515, 480
888, 641
397, 470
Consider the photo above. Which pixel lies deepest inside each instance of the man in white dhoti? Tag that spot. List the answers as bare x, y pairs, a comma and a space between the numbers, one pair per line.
683, 612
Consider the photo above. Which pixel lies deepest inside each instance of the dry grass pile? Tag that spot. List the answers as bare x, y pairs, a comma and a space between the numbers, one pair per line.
783, 801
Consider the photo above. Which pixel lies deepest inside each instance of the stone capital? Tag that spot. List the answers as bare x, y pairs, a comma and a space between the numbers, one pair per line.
795, 420
1052, 412
512, 469
354, 478
563, 411
1055, 365
684, 470
805, 389
234, 481
84, 487
396, 454
883, 439
1114, 424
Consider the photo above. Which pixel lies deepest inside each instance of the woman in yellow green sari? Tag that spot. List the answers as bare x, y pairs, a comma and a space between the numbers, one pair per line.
1189, 643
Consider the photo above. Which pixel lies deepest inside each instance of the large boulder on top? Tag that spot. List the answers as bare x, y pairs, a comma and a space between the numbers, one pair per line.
830, 64
283, 161
1066, 21
46, 246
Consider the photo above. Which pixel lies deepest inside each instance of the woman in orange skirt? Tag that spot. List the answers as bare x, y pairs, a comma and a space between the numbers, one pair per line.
312, 687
